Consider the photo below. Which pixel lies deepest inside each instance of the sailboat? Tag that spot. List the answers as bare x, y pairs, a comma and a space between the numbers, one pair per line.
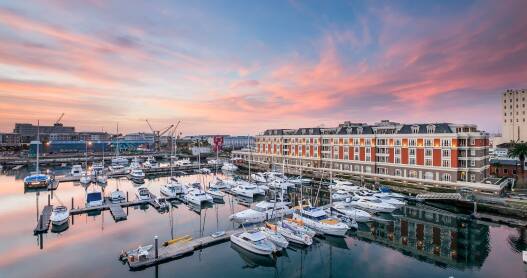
119, 163
172, 188
98, 169
36, 179
85, 176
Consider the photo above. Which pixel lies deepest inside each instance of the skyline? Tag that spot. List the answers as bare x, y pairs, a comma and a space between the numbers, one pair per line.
243, 68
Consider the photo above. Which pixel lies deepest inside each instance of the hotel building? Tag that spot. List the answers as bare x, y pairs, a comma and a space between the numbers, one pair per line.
434, 154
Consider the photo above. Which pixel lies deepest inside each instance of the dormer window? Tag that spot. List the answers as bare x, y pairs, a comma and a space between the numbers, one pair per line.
359, 130
430, 129
415, 129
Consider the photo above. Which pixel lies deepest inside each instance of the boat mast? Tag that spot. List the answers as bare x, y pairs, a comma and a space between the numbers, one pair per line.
250, 158
38, 146
117, 149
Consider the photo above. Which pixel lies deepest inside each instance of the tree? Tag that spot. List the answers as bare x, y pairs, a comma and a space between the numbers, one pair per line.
519, 150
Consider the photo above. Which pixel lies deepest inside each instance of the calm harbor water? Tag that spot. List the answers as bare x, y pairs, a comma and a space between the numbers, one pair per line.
419, 240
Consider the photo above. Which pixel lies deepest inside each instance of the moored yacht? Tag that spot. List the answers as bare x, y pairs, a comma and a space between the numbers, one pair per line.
85, 178
94, 199
37, 180
261, 212
247, 189
253, 241
76, 171
317, 219
117, 196
351, 212
172, 189
197, 197
119, 160
274, 236
151, 163
59, 215
397, 203
341, 195
143, 193
227, 166
215, 193
294, 235
137, 175
372, 203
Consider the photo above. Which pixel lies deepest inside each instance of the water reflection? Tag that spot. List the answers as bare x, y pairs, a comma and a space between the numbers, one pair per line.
432, 235
253, 260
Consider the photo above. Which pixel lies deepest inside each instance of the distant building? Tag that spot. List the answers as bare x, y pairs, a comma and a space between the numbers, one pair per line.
237, 142
28, 132
139, 136
9, 138
506, 167
94, 136
514, 119
63, 137
201, 150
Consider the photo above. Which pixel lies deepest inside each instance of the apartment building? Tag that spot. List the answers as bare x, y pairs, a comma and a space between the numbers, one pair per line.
433, 153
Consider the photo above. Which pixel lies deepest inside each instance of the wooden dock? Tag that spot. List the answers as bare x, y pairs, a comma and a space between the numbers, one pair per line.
117, 212
43, 220
179, 250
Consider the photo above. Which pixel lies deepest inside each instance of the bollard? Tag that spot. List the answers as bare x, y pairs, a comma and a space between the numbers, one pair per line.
72, 203
49, 199
156, 244
127, 196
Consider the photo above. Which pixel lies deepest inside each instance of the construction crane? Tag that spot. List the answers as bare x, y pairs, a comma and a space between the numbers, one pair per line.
57, 122
157, 135
171, 135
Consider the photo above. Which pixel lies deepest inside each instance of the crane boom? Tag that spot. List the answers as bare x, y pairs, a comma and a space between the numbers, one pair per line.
60, 118
149, 125
161, 133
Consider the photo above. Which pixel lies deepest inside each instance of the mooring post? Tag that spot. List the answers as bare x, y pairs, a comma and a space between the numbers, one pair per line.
72, 203
49, 199
41, 223
156, 240
127, 196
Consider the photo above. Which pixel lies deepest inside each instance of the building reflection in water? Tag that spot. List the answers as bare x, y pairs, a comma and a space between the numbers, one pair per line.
433, 235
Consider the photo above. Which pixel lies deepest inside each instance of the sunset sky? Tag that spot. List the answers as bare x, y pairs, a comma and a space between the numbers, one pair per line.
239, 67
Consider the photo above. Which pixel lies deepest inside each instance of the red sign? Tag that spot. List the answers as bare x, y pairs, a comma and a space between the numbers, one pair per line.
218, 143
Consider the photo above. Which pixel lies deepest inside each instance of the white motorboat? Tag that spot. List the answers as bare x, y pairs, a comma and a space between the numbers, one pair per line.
151, 163
215, 193
94, 199
274, 236
101, 179
317, 219
85, 178
183, 162
397, 203
261, 212
297, 225
259, 177
345, 185
37, 180
137, 175
253, 241
275, 176
143, 193
76, 171
59, 215
217, 183
136, 164
294, 235
351, 212
119, 160
247, 189
117, 196
172, 189
197, 197
341, 195
386, 191
118, 169
372, 203
229, 167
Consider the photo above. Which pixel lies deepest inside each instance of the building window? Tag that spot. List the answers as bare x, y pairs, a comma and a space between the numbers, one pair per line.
472, 141
398, 160
445, 163
415, 129
472, 152
446, 177
428, 142
397, 142
445, 142
368, 158
446, 153
473, 178
397, 151
411, 142
412, 161
356, 168
430, 128
428, 152
412, 174
428, 162
398, 172
411, 152
472, 163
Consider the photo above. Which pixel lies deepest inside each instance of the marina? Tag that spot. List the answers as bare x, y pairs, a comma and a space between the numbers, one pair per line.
187, 231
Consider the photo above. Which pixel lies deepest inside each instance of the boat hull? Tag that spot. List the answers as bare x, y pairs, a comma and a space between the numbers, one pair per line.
250, 247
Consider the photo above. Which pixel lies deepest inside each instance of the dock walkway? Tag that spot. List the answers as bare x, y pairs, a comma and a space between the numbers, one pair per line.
179, 250
43, 220
117, 212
